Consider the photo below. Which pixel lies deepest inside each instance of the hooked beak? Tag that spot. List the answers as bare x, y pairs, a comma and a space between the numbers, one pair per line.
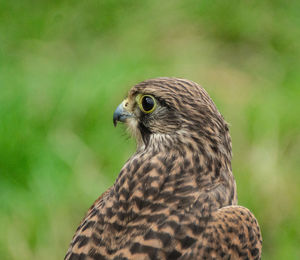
121, 114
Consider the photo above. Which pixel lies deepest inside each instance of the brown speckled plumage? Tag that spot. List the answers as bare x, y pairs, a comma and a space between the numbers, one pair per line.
175, 198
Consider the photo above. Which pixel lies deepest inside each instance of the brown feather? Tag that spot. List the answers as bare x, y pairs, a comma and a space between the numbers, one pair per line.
175, 198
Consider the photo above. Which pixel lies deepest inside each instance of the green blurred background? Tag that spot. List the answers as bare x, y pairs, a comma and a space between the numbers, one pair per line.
66, 65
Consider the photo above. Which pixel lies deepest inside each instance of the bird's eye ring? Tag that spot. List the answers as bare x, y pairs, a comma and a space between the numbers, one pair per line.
147, 103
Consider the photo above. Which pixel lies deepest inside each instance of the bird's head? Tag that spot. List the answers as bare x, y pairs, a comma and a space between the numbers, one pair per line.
171, 112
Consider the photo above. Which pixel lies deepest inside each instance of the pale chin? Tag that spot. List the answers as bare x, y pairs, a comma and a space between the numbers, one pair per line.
132, 128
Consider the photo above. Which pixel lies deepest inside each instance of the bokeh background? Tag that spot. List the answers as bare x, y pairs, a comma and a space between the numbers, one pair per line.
66, 65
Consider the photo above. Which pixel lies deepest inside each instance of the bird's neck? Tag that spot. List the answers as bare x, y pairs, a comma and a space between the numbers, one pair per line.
157, 177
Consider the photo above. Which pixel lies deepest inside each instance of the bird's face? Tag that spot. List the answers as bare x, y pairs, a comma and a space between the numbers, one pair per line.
145, 112
173, 108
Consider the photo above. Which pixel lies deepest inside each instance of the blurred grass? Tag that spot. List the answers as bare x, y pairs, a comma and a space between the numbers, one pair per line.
66, 65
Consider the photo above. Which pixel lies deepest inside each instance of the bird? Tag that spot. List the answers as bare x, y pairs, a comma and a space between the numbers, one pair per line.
176, 196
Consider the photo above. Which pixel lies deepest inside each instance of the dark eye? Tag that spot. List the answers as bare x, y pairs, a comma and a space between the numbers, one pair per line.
147, 103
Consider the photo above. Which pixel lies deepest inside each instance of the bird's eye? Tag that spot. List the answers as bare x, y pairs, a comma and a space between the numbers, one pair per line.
146, 103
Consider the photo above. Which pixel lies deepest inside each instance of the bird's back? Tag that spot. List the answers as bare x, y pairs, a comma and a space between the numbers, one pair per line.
154, 217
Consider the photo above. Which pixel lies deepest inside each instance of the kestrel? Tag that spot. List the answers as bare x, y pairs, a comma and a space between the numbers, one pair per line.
175, 198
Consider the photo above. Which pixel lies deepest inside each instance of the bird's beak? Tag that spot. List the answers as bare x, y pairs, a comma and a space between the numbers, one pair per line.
121, 114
